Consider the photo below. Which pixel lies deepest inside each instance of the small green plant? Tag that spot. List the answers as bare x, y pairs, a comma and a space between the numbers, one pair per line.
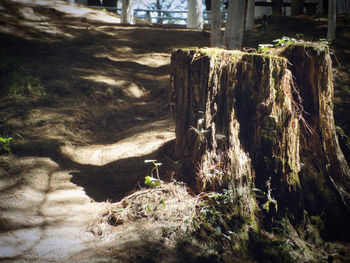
270, 200
151, 181
23, 84
225, 219
281, 42
284, 41
324, 41
282, 227
221, 216
5, 143
323, 44
151, 204
264, 47
147, 208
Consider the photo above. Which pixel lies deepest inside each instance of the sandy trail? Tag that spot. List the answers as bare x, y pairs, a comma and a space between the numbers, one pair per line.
107, 115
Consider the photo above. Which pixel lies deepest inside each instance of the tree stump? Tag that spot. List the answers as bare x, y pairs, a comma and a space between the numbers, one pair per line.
325, 174
252, 120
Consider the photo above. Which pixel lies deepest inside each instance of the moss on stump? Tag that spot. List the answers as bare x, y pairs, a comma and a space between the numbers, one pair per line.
247, 121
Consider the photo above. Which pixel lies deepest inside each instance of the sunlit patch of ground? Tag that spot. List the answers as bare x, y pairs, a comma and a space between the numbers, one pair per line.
42, 211
136, 145
46, 198
73, 10
153, 60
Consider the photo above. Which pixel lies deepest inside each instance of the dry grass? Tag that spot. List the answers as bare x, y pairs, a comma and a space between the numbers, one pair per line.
152, 224
169, 205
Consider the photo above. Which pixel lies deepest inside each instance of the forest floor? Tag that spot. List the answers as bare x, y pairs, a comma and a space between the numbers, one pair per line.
86, 101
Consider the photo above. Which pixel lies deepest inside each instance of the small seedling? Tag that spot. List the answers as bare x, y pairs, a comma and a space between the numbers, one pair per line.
266, 206
151, 181
264, 47
324, 41
5, 143
284, 41
281, 42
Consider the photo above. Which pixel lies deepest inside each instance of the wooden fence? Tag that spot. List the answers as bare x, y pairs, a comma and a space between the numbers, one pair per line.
164, 16
160, 16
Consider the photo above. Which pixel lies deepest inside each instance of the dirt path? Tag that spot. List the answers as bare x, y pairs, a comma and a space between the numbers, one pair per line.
104, 112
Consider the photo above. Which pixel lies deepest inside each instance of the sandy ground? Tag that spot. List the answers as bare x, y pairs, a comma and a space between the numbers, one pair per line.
84, 144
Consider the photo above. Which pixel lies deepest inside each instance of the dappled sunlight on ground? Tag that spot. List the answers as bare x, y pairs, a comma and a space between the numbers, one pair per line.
131, 89
39, 245
104, 79
29, 19
153, 60
75, 10
105, 110
136, 145
128, 88
21, 29
43, 213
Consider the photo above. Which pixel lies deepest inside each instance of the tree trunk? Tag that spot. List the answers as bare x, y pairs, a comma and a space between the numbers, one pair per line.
250, 15
159, 7
325, 176
277, 7
81, 2
195, 14
341, 6
207, 5
94, 2
110, 3
332, 15
148, 16
127, 12
215, 34
320, 7
234, 25
297, 7
241, 122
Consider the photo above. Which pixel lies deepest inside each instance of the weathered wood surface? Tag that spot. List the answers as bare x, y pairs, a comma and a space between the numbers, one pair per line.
324, 166
248, 120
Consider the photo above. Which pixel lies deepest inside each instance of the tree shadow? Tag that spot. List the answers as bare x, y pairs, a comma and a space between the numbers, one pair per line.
110, 182
30, 228
90, 65
67, 55
147, 245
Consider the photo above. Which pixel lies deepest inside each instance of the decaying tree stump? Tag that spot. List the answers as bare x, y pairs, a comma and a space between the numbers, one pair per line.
253, 120
325, 174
